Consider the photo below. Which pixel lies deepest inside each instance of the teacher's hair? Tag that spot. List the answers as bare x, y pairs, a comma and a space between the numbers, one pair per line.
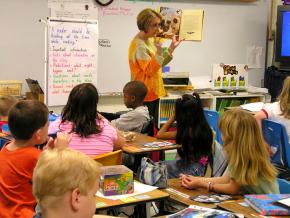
145, 18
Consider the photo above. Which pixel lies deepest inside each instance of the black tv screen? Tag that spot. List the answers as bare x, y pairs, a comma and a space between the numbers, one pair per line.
282, 45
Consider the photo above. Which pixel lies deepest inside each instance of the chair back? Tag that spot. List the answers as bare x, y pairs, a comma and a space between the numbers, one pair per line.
284, 186
110, 159
212, 118
275, 135
148, 128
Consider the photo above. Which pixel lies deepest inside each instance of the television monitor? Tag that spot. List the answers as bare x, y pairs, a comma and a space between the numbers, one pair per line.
282, 45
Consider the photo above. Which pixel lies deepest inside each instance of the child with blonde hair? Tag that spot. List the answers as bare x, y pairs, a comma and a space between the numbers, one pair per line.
64, 183
249, 167
278, 111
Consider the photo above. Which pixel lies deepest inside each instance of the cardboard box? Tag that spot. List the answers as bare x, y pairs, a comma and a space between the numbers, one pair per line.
116, 180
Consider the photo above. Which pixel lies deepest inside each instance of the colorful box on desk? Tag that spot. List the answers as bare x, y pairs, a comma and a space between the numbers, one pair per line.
116, 180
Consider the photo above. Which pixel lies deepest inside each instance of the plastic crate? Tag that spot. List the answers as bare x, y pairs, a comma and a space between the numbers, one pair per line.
10, 87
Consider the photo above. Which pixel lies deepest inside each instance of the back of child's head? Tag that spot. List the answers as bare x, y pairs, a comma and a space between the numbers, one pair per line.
193, 131
6, 102
59, 171
136, 88
189, 109
81, 109
26, 117
247, 154
285, 98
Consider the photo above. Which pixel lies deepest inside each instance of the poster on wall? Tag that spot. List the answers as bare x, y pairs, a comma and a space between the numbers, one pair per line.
72, 58
230, 76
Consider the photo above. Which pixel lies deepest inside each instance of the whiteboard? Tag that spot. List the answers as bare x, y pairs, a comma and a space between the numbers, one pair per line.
72, 58
229, 28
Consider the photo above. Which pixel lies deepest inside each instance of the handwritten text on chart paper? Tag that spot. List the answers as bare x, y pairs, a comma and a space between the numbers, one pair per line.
72, 58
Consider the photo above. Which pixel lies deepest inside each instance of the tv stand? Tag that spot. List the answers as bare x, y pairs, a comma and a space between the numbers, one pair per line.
285, 66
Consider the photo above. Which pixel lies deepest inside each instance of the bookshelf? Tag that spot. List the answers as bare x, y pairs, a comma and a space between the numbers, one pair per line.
220, 102
212, 101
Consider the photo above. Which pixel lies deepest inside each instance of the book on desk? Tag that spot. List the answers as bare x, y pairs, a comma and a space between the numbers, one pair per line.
197, 211
266, 204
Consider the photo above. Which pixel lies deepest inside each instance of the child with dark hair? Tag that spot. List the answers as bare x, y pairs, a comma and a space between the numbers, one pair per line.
193, 133
134, 120
28, 124
91, 133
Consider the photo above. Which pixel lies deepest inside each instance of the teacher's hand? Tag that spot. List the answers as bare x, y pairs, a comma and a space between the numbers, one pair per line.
174, 43
158, 45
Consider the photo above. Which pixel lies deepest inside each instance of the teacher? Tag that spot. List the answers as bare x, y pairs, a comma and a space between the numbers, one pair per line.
147, 56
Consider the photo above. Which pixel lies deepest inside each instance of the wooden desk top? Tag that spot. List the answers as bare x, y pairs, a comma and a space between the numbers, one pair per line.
137, 146
176, 184
103, 203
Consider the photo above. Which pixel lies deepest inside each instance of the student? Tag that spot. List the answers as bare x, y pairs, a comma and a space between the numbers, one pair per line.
91, 133
28, 124
249, 167
65, 183
278, 111
134, 120
193, 133
6, 102
147, 56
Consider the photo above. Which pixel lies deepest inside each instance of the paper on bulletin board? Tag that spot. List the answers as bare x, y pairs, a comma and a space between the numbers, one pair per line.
139, 188
78, 9
254, 56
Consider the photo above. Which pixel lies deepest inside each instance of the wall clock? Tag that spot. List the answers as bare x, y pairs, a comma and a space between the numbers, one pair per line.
104, 2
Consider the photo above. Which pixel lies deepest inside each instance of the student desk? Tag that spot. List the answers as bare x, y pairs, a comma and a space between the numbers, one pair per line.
155, 195
138, 149
137, 146
176, 185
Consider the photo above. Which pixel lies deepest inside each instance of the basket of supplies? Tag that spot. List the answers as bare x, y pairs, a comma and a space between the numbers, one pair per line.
10, 87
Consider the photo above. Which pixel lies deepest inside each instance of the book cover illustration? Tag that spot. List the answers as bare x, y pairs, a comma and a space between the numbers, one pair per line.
266, 204
196, 211
187, 24
230, 76
216, 198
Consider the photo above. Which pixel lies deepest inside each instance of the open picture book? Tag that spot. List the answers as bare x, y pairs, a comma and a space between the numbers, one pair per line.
185, 23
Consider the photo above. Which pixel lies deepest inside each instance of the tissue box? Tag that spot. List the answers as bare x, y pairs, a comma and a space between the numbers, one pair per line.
116, 180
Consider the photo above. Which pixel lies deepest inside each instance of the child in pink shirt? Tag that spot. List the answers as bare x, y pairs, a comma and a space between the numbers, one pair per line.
91, 133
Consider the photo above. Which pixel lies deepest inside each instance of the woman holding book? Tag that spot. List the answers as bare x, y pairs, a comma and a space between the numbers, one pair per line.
147, 56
